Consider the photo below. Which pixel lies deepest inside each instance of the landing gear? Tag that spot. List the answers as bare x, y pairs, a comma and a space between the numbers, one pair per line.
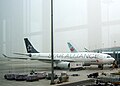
114, 65
100, 66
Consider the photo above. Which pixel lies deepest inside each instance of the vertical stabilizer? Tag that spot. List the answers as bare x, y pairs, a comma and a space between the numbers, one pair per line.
72, 49
29, 47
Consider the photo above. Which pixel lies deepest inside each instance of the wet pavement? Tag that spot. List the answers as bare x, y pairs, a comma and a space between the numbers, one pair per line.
25, 66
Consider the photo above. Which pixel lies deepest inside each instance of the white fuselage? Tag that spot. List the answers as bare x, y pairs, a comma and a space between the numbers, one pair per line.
86, 57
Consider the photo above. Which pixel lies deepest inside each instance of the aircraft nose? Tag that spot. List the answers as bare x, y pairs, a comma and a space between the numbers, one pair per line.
113, 60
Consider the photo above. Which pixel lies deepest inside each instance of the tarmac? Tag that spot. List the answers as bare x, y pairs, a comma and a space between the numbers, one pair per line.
25, 66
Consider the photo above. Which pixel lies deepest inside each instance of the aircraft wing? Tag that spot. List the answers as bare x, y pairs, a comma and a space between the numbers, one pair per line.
42, 58
17, 57
48, 59
24, 54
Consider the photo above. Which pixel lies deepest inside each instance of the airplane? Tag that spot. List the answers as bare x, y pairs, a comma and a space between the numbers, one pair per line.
63, 60
73, 50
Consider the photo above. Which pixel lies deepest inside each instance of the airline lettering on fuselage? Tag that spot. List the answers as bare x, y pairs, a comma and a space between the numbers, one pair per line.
75, 56
59, 56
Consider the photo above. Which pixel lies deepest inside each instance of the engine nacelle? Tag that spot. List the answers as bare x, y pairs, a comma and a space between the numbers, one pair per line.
63, 65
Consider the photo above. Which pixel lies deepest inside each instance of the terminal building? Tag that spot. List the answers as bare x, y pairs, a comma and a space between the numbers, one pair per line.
113, 51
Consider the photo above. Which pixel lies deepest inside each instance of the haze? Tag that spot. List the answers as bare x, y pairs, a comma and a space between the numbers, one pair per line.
85, 23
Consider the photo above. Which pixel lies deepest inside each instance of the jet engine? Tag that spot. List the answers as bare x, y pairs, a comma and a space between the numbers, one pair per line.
63, 65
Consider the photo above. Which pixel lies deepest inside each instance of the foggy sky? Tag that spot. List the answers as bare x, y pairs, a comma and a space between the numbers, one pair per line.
85, 23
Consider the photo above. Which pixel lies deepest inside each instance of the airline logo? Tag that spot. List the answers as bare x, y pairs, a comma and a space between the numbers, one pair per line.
72, 49
97, 60
29, 48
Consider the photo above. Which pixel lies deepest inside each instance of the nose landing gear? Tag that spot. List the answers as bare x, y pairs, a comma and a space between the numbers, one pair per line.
114, 65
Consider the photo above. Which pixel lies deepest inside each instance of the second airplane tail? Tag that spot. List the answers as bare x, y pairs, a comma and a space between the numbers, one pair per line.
72, 49
29, 47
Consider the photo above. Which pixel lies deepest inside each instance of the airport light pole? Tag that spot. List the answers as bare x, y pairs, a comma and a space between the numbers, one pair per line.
52, 48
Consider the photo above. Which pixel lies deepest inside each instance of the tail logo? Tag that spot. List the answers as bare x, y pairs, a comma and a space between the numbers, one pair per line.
29, 48
72, 49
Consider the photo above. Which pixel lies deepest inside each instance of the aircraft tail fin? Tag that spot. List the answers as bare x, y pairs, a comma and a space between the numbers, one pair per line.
86, 49
29, 46
72, 49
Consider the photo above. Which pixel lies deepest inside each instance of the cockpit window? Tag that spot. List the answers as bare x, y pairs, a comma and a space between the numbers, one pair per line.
108, 56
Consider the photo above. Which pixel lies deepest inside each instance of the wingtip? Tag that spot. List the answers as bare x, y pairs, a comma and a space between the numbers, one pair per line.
4, 55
